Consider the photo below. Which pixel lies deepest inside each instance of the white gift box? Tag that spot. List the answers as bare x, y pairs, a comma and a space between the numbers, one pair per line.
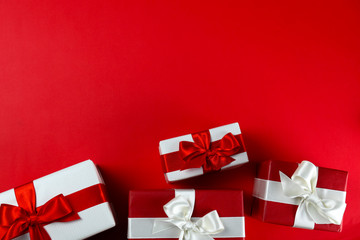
171, 146
93, 220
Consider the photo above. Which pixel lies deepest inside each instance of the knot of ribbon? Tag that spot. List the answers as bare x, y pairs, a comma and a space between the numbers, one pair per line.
18, 220
179, 211
202, 153
303, 185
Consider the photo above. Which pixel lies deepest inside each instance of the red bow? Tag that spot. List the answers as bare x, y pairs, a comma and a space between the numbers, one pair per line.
15, 221
201, 153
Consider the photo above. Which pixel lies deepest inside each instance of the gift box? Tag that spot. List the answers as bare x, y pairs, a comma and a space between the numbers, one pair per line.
186, 214
198, 153
300, 195
68, 204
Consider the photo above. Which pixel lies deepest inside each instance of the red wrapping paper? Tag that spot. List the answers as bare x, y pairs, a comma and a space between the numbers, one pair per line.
284, 214
149, 204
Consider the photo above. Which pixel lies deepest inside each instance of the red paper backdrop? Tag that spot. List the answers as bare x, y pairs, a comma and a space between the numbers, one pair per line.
108, 80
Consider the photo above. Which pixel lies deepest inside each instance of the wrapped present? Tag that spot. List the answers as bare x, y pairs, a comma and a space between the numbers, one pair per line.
300, 195
198, 153
63, 205
186, 214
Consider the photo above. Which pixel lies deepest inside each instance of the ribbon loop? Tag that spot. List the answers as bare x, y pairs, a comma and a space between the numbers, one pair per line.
303, 185
179, 211
178, 208
201, 153
207, 224
26, 217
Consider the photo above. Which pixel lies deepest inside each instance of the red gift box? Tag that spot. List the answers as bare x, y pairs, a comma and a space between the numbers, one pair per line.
271, 205
147, 207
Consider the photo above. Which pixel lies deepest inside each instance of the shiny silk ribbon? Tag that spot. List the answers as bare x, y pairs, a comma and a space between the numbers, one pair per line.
303, 185
26, 217
200, 153
179, 211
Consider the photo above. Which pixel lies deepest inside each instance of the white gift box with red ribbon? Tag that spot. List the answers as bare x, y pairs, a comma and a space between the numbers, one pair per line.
172, 160
82, 187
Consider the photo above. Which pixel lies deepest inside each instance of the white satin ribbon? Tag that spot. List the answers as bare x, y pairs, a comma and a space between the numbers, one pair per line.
312, 209
179, 211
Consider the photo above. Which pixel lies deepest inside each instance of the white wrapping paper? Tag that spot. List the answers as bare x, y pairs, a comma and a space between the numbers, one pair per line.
67, 181
172, 145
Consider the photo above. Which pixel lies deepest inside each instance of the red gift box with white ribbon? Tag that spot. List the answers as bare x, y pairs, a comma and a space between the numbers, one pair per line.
300, 195
66, 204
206, 151
186, 214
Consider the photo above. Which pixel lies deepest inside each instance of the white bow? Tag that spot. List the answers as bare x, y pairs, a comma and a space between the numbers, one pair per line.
303, 185
179, 211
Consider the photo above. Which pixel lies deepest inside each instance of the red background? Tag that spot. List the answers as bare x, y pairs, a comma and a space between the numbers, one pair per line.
108, 80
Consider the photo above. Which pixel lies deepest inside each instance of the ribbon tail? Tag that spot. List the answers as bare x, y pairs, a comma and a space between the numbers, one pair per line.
182, 235
302, 218
326, 211
38, 232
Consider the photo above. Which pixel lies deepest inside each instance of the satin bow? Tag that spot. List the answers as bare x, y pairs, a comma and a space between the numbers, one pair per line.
303, 185
17, 220
201, 153
179, 211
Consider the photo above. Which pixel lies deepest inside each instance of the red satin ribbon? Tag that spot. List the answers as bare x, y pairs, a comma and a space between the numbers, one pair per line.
211, 157
18, 220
